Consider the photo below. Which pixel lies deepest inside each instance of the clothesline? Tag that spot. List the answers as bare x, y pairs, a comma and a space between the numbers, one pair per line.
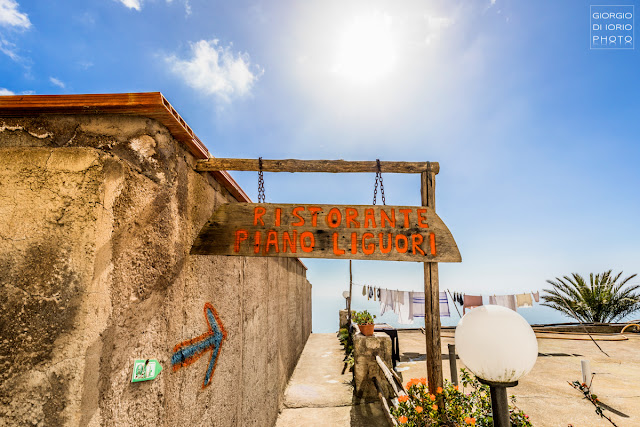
410, 304
407, 305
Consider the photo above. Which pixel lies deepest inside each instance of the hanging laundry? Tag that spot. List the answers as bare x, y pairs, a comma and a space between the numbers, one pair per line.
364, 290
444, 305
370, 293
471, 301
405, 308
508, 301
417, 300
379, 292
536, 296
386, 301
375, 293
524, 300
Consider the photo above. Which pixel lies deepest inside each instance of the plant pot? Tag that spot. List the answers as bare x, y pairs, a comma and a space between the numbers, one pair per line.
366, 330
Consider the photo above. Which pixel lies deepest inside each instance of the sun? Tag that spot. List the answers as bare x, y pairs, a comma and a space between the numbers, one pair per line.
366, 51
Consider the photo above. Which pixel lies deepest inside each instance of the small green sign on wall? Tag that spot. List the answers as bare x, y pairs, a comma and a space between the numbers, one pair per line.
145, 370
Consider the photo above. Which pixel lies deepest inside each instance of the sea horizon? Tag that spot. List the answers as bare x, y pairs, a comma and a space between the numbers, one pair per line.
325, 312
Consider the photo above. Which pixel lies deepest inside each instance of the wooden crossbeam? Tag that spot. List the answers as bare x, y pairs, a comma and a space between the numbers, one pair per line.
329, 166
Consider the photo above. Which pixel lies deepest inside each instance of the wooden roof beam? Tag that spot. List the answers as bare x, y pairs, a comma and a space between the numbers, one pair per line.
329, 166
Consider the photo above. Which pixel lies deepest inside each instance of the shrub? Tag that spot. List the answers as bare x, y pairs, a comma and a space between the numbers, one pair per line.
421, 408
363, 317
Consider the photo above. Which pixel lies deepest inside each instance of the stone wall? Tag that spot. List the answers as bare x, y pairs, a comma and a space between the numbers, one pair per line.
98, 215
365, 367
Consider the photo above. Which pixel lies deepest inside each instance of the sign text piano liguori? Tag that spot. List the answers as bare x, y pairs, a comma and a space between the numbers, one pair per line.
391, 233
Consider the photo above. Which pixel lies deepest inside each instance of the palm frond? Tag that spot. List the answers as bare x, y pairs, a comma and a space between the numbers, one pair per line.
604, 299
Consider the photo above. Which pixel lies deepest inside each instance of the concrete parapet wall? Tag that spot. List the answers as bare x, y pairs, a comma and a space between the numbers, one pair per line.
344, 318
365, 350
98, 215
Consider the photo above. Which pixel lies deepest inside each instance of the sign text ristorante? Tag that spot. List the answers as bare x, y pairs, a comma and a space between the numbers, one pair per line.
398, 233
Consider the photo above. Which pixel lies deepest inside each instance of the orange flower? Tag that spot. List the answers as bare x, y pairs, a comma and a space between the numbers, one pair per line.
403, 398
423, 381
456, 387
434, 407
470, 420
432, 397
439, 390
403, 419
419, 409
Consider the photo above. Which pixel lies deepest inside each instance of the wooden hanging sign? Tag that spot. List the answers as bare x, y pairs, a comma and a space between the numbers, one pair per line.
387, 233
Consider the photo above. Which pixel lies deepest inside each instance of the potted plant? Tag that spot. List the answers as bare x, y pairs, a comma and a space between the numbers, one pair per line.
364, 320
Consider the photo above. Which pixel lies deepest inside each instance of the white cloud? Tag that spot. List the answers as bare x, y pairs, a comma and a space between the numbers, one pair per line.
131, 4
435, 26
216, 70
57, 82
11, 17
9, 49
4, 92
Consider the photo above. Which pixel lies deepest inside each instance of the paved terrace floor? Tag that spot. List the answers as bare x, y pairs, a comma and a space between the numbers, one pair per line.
544, 393
319, 394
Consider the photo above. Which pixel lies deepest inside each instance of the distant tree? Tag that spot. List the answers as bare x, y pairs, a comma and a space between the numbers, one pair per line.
605, 299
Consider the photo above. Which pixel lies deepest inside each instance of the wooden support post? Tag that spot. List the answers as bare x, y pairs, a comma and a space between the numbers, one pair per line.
453, 367
349, 301
431, 296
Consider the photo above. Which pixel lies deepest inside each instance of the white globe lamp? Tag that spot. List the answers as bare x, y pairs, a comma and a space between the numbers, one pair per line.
499, 347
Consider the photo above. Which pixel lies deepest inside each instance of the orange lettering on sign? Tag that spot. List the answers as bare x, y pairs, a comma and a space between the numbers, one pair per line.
367, 249
334, 217
421, 219
336, 249
278, 216
351, 215
369, 218
406, 212
256, 243
402, 237
389, 241
384, 217
258, 211
303, 245
240, 236
354, 243
416, 241
272, 240
432, 243
292, 242
295, 213
314, 215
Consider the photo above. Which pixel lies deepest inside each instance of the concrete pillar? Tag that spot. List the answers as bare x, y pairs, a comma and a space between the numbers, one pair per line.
365, 367
344, 318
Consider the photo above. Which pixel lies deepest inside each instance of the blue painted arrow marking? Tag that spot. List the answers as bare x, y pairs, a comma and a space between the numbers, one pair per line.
187, 352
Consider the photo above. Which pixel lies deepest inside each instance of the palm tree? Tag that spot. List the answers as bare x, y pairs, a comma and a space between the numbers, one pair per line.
603, 300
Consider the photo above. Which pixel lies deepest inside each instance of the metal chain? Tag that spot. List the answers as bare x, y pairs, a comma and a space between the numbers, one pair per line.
384, 202
261, 196
375, 188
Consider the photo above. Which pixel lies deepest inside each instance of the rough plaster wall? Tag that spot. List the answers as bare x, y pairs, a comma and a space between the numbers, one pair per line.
95, 273
53, 213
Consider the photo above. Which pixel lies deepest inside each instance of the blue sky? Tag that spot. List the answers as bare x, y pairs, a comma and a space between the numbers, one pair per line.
536, 134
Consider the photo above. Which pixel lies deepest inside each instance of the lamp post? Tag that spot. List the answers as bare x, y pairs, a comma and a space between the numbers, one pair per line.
499, 347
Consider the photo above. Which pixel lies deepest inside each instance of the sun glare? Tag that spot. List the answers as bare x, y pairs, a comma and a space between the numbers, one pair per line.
366, 51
